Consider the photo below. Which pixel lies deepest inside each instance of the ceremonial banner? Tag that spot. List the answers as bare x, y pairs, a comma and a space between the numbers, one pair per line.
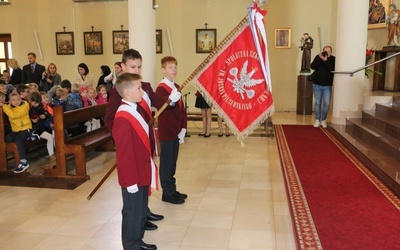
236, 79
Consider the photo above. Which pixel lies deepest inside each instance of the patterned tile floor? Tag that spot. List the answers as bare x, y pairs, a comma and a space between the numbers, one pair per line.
237, 200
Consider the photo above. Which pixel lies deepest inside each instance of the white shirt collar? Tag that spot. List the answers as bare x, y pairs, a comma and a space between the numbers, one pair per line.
132, 104
169, 83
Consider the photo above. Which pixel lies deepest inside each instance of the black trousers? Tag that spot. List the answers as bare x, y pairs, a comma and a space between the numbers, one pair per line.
168, 157
134, 215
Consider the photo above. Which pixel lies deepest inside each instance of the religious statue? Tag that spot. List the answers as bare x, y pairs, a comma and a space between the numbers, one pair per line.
393, 24
306, 46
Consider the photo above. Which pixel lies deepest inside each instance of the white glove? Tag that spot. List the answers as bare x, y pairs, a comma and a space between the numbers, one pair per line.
181, 136
133, 189
175, 95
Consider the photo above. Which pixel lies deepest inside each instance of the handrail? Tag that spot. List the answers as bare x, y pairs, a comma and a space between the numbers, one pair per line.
366, 66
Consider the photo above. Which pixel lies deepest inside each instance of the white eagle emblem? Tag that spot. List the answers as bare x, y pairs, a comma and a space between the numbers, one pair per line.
244, 81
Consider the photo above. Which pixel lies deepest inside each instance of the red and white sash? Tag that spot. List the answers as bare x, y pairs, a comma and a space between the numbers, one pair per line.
146, 105
128, 111
169, 90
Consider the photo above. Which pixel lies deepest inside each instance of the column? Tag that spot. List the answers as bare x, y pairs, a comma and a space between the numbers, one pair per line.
142, 36
351, 42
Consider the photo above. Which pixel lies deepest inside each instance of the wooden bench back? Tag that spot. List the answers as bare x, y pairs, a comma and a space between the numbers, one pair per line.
77, 116
64, 120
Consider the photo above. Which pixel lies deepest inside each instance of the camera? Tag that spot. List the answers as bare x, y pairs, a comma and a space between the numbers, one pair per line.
324, 53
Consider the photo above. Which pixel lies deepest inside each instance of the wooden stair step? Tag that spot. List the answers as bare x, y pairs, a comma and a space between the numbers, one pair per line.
376, 139
384, 124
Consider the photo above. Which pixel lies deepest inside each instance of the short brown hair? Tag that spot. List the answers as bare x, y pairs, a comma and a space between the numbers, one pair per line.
35, 97
125, 81
168, 59
21, 88
61, 92
32, 54
76, 88
13, 94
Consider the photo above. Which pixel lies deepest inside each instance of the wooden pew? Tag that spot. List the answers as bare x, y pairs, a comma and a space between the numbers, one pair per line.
11, 147
78, 146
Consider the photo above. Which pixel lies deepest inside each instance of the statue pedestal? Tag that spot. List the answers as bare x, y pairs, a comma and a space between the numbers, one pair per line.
304, 95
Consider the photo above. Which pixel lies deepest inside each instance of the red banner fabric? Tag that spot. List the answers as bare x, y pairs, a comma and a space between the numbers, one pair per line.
234, 85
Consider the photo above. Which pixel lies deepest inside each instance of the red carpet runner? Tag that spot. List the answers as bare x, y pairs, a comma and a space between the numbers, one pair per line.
336, 202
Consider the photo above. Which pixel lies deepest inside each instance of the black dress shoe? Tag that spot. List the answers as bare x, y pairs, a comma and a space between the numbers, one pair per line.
154, 217
173, 199
206, 136
148, 246
150, 226
180, 195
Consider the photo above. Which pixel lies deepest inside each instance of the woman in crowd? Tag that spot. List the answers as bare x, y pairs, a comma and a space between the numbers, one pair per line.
111, 79
16, 76
83, 77
105, 71
50, 77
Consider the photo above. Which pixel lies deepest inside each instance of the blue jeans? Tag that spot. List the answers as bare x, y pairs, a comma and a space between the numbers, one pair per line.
322, 95
19, 138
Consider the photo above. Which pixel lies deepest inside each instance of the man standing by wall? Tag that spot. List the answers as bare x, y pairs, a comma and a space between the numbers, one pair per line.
33, 71
323, 64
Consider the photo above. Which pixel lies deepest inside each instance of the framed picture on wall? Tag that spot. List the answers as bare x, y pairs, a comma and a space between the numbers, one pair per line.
159, 46
65, 43
282, 38
206, 40
93, 42
377, 12
120, 41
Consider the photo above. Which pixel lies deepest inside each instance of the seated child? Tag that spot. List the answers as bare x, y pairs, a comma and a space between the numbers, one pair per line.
52, 92
2, 97
84, 96
3, 88
46, 103
48, 124
61, 98
74, 100
102, 96
33, 87
18, 114
23, 91
5, 76
92, 95
38, 118
87, 102
6, 89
